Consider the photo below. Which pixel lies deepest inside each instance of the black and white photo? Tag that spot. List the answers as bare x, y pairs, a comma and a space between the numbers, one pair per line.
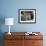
27, 16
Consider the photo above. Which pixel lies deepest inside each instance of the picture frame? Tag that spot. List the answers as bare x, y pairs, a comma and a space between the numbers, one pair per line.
26, 16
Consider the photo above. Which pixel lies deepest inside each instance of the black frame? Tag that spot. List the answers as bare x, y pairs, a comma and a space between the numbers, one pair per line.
21, 11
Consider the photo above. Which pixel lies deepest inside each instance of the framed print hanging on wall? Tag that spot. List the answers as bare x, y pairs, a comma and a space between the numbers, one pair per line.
27, 16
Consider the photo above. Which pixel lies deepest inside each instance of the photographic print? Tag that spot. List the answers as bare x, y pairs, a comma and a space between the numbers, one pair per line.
27, 16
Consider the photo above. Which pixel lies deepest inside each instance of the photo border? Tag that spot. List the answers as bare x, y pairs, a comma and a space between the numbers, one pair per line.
26, 22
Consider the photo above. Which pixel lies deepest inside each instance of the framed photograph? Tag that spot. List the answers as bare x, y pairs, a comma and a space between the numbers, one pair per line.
27, 16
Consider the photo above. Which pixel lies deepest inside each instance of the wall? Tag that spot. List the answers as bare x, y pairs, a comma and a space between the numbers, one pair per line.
9, 8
